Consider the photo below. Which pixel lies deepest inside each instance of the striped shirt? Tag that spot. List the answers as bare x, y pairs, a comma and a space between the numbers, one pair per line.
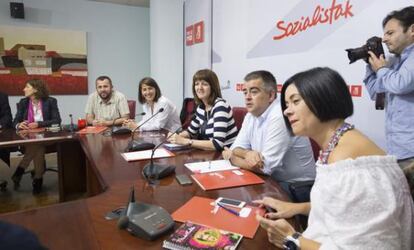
216, 125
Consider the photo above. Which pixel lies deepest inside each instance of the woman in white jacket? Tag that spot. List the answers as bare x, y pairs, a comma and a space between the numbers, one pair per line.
149, 95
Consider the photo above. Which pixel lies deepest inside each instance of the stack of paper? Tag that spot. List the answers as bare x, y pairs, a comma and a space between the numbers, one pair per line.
146, 154
210, 166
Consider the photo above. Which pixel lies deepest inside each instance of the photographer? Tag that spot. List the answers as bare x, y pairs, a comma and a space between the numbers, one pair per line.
395, 78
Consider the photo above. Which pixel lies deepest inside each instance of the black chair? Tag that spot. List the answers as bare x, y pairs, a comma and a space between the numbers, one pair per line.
49, 149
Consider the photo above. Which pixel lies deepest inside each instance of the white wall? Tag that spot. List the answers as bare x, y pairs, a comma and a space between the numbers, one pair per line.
243, 32
167, 47
117, 42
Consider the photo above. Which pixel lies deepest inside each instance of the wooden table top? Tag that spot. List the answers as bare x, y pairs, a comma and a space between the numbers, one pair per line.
11, 137
81, 224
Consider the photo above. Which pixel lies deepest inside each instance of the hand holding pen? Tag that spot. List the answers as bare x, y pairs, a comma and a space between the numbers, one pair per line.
228, 209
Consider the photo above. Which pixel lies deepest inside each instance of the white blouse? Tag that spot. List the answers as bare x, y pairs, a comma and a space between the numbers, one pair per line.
361, 204
168, 119
37, 112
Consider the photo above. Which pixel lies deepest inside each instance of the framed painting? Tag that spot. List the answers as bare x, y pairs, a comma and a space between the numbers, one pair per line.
56, 56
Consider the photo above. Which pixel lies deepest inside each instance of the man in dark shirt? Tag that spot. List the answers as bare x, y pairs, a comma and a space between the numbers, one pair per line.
5, 122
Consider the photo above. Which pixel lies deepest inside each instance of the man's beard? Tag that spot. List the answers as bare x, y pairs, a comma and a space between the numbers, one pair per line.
108, 96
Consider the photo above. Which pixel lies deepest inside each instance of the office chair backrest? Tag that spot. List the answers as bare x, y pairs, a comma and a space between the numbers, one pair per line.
187, 111
238, 114
132, 106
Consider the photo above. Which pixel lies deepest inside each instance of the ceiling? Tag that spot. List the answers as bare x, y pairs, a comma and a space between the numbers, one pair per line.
140, 3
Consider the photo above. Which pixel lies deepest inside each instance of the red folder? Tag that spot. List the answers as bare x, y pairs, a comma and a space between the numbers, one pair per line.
226, 179
199, 210
92, 130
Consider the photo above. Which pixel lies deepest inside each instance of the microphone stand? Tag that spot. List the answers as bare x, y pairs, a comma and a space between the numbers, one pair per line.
152, 172
71, 126
118, 130
123, 220
140, 145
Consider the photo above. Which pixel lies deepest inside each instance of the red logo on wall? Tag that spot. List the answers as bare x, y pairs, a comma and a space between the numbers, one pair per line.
199, 32
355, 90
321, 15
189, 35
194, 33
239, 86
279, 87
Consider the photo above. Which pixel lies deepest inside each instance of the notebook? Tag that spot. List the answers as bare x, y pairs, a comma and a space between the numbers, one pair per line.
191, 236
226, 179
200, 210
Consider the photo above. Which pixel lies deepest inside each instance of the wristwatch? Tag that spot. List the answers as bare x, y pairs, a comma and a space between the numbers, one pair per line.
292, 242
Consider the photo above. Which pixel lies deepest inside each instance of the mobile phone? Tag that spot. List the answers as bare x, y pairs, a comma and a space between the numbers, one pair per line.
230, 202
115, 214
183, 179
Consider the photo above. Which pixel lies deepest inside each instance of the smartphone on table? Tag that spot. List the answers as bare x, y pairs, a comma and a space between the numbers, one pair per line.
183, 179
231, 202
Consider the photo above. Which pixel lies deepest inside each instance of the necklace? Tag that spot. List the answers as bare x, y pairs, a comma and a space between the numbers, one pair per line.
324, 154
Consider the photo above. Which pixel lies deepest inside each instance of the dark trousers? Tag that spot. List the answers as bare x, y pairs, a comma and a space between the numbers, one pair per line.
5, 156
298, 192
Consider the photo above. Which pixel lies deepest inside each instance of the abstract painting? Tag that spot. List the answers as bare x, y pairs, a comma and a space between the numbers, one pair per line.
56, 56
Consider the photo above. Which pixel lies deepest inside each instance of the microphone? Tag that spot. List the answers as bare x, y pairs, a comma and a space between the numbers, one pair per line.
145, 220
123, 222
124, 219
152, 172
141, 145
118, 130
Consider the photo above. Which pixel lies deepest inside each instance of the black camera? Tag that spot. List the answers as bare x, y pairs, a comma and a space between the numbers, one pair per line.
373, 44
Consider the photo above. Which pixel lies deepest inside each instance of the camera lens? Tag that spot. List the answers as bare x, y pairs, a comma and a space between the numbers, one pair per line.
357, 53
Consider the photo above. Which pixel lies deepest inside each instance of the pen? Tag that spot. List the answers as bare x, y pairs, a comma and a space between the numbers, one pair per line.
228, 209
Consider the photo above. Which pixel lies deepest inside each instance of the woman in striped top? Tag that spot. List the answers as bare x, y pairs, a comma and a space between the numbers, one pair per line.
213, 126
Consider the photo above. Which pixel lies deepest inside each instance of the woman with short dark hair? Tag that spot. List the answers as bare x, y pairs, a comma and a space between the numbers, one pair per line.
149, 95
36, 110
360, 198
213, 126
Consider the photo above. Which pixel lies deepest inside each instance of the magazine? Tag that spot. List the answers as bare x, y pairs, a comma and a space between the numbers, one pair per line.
194, 236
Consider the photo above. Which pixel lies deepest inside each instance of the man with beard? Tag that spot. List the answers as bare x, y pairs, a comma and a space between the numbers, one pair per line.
106, 107
395, 78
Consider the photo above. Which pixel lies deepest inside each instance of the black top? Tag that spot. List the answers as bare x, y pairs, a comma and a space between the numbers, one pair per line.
49, 109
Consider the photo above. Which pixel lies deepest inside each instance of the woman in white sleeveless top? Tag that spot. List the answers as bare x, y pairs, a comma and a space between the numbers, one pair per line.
360, 199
